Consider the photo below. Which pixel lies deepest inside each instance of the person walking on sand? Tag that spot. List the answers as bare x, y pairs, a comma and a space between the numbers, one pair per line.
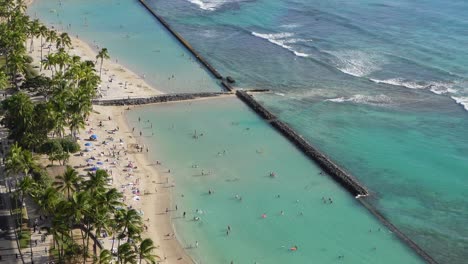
196, 244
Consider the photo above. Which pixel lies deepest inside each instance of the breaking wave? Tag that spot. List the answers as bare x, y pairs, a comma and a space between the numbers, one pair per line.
363, 99
463, 101
355, 63
435, 87
282, 40
211, 5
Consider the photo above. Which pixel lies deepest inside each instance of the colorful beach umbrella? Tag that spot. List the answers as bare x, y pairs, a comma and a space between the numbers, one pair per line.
93, 136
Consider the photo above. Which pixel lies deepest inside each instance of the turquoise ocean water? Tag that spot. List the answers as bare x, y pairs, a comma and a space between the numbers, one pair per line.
380, 86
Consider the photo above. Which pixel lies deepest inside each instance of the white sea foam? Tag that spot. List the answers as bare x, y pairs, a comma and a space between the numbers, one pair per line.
211, 5
363, 99
463, 101
289, 26
401, 82
435, 87
282, 39
356, 63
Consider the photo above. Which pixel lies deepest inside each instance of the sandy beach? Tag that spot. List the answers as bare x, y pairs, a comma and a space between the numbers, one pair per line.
117, 81
144, 186
140, 180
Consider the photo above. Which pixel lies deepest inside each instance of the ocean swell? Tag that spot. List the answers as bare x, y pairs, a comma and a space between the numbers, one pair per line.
282, 39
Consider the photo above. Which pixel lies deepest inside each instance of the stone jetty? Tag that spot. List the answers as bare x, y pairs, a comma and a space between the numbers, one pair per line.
158, 98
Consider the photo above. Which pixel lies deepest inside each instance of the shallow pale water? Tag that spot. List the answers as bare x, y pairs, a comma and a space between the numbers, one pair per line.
133, 37
322, 232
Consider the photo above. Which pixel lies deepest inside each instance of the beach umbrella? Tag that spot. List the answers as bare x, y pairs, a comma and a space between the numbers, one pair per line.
88, 144
93, 136
99, 163
87, 150
89, 160
94, 168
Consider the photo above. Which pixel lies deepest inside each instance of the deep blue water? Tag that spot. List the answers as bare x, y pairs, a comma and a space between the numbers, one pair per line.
381, 86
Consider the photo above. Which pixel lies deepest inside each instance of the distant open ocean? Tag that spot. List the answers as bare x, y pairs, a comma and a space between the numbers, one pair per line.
380, 86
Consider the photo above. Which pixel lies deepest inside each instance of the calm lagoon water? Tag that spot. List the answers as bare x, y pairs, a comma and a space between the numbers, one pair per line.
237, 151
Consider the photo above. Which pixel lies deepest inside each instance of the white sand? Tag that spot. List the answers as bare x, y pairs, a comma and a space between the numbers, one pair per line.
117, 81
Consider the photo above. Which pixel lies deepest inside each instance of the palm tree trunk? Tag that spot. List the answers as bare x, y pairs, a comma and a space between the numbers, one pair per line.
16, 235
41, 54
113, 241
30, 248
100, 69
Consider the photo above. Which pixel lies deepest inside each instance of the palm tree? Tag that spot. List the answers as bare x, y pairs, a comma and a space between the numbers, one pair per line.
96, 182
130, 224
43, 32
63, 41
48, 200
34, 31
68, 182
27, 187
49, 62
76, 121
126, 254
105, 257
51, 37
4, 83
60, 233
103, 54
18, 116
14, 162
145, 251
17, 63
109, 200
62, 59
19, 161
